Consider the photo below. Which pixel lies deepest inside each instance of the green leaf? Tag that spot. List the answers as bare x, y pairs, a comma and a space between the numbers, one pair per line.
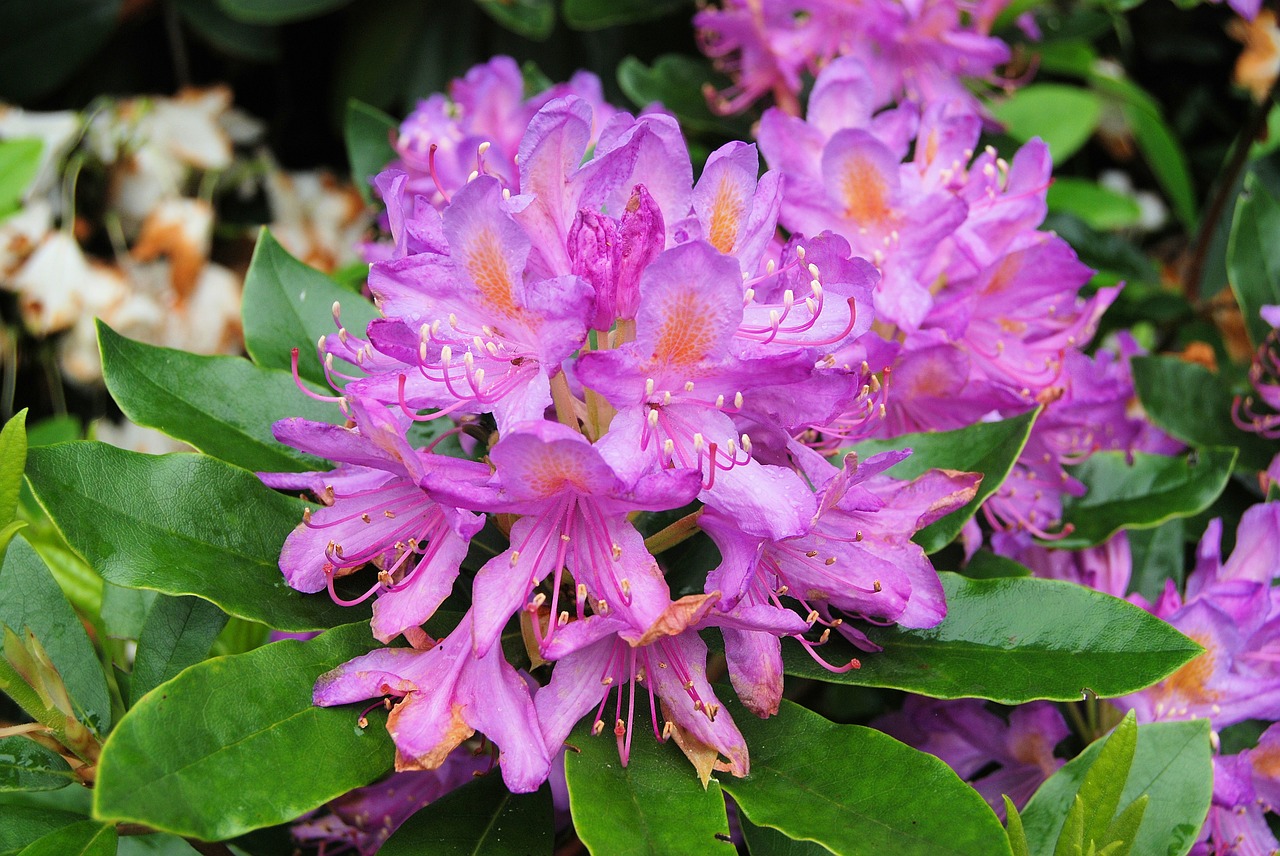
278, 11
986, 565
178, 633
654, 806
846, 787
1100, 791
675, 81
229, 35
27, 766
7, 533
533, 19
1123, 832
20, 825
235, 743
481, 817
763, 841
1168, 162
290, 305
990, 448
1146, 493
19, 163
1253, 259
1013, 640
369, 149
1013, 829
45, 42
1194, 405
598, 14
1071, 839
1172, 764
1063, 116
1158, 554
1100, 207
223, 406
124, 610
29, 598
13, 460
86, 838
179, 524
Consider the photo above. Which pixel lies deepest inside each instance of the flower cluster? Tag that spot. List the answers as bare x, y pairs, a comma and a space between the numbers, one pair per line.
920, 51
620, 341
978, 312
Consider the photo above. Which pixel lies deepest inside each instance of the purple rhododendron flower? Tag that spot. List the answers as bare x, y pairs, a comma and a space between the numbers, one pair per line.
916, 50
620, 341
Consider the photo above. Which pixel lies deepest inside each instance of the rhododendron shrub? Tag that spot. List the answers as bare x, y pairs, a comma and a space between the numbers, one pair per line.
642, 491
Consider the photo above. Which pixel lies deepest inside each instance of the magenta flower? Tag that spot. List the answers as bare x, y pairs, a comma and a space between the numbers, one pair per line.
668, 660
1231, 610
917, 51
380, 511
690, 358
573, 507
478, 128
856, 559
446, 694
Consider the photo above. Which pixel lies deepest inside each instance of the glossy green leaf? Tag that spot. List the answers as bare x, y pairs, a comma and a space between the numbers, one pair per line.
278, 11
598, 14
1163, 153
1146, 493
1194, 405
290, 305
27, 766
765, 841
1013, 640
31, 599
223, 406
676, 82
220, 750
45, 42
20, 825
987, 565
1172, 763
19, 162
481, 817
846, 787
179, 524
13, 460
1063, 116
990, 448
654, 806
86, 838
368, 138
178, 633
1253, 257
533, 19
1100, 207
